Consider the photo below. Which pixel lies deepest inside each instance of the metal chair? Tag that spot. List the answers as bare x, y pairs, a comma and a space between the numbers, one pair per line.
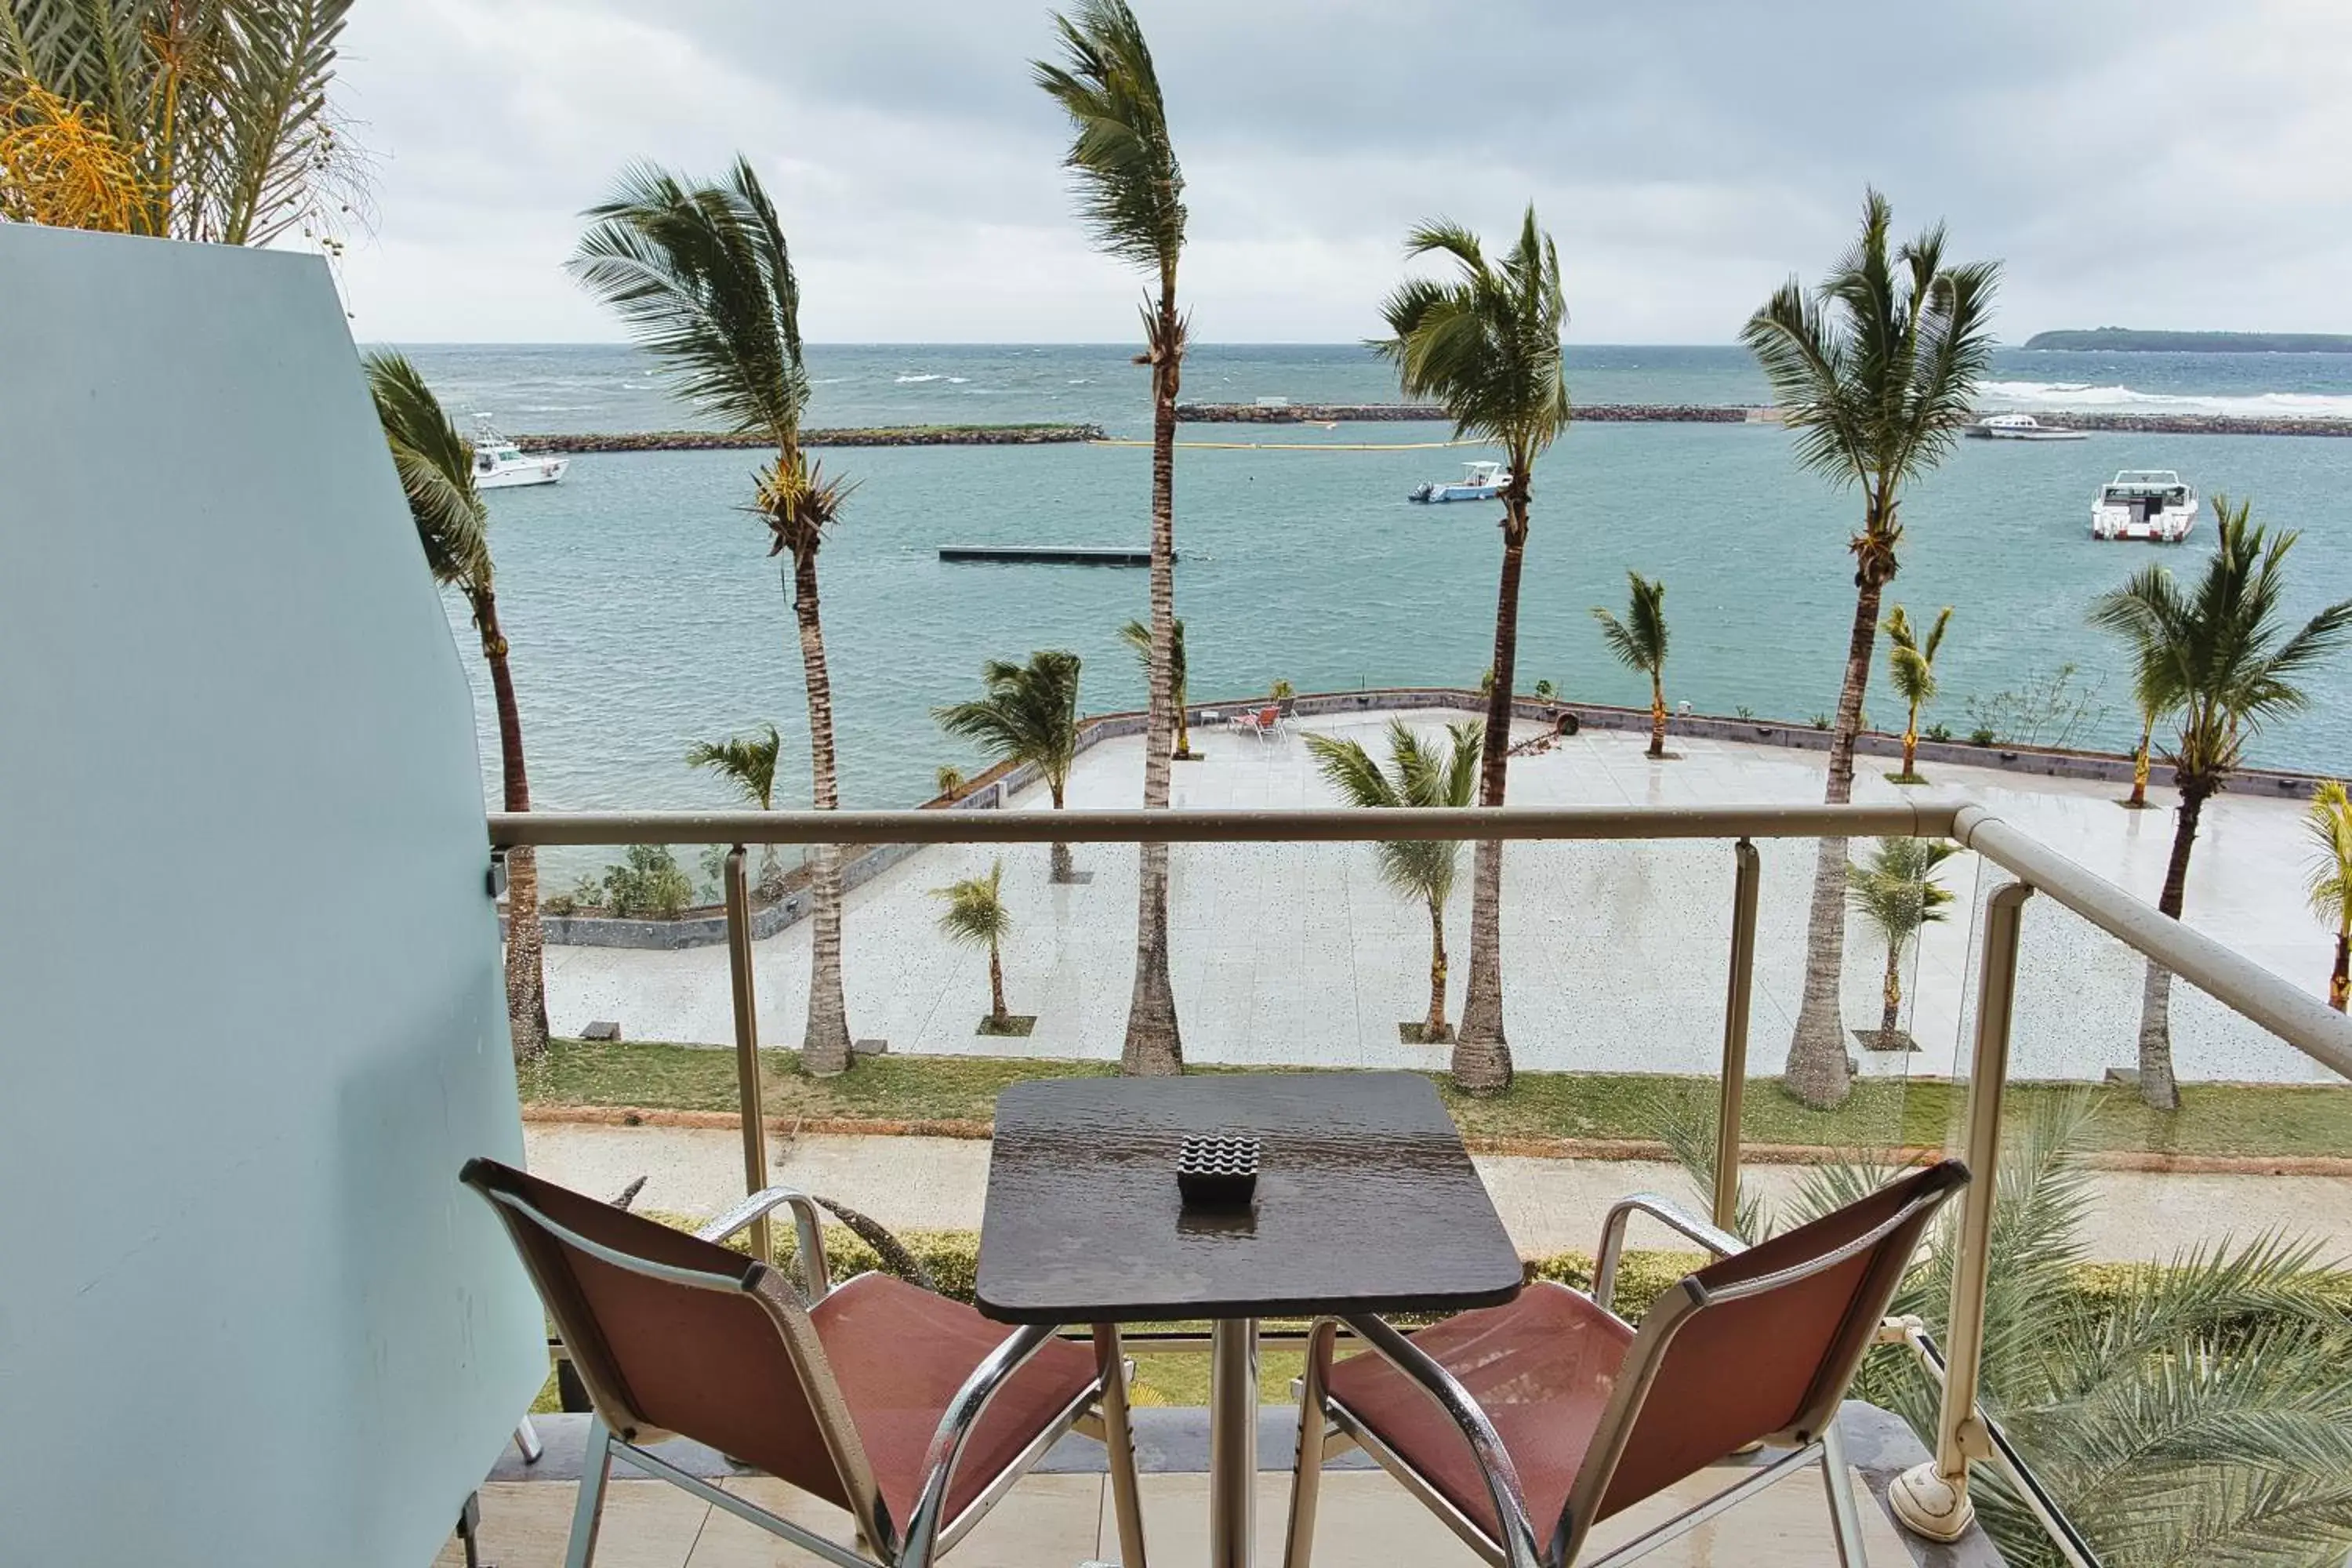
1552, 1411
910, 1410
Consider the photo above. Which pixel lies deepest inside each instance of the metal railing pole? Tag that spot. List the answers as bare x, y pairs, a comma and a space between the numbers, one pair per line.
1932, 1499
1737, 992
747, 1039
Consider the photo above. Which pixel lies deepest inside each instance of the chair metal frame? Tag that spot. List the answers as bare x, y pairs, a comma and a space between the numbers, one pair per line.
1814, 1436
1101, 1410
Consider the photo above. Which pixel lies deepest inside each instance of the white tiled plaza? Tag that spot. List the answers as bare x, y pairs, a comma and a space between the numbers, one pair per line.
1614, 953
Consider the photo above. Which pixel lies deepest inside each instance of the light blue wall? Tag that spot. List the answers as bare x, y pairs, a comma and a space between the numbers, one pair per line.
246, 1314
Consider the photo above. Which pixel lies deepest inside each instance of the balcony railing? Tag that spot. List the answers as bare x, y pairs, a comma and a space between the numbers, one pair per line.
1935, 1502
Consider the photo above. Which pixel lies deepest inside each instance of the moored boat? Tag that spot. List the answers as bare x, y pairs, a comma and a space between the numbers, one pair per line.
2152, 504
2019, 427
500, 464
1479, 481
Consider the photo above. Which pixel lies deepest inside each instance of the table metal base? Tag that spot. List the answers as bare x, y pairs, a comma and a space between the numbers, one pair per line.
1232, 1440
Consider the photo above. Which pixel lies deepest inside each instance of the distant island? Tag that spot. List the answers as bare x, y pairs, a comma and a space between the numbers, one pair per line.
2124, 339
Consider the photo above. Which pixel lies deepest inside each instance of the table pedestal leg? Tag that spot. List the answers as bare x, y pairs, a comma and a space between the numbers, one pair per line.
1232, 1440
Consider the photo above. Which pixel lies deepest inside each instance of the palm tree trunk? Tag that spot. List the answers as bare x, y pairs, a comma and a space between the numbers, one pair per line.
1154, 1045
1183, 728
2339, 979
996, 1009
1060, 870
1481, 1057
1433, 1029
1911, 743
1657, 715
526, 938
1817, 1072
825, 1047
2139, 764
1890, 1012
2156, 1085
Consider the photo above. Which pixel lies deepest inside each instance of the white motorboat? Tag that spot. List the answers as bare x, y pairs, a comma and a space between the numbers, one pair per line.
500, 464
2153, 504
1479, 481
2019, 427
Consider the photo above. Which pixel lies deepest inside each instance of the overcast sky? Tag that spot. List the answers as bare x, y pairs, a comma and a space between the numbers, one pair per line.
2147, 163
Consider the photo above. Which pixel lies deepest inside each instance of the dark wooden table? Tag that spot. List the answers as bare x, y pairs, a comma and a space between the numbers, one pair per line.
1366, 1203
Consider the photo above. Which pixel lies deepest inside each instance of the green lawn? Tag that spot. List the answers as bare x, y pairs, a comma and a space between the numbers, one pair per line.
2221, 1119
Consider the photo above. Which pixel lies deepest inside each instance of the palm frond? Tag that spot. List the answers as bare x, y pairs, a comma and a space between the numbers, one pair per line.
2327, 827
1138, 636
1130, 186
748, 761
975, 915
436, 472
1639, 641
1030, 714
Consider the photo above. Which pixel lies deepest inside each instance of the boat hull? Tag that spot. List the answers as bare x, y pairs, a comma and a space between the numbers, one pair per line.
2118, 524
531, 471
1437, 493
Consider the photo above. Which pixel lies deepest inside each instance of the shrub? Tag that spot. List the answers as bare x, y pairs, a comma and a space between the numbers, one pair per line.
1280, 689
649, 885
1820, 721
1745, 711
1937, 732
951, 782
1982, 737
1544, 690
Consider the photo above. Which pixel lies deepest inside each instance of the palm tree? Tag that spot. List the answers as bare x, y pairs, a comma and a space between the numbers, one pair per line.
1639, 641
1138, 636
702, 276
976, 916
1420, 775
1874, 372
194, 122
437, 473
1131, 194
2115, 1393
1030, 715
1911, 666
2330, 823
2225, 663
748, 763
1484, 344
1896, 891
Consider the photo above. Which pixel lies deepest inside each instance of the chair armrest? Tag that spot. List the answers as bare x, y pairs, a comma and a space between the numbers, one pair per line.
963, 1412
1664, 1210
808, 1230
1495, 1467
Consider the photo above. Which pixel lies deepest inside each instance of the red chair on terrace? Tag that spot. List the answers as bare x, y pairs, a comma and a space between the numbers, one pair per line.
1550, 1413
910, 1410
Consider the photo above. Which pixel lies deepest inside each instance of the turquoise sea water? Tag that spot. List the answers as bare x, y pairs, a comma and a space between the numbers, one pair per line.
645, 614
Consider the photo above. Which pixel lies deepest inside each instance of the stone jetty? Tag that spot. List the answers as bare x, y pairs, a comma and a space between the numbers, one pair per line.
1733, 414
880, 435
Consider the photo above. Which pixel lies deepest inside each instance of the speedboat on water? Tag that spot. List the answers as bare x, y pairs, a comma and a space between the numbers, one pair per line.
1479, 481
500, 465
2018, 427
2152, 504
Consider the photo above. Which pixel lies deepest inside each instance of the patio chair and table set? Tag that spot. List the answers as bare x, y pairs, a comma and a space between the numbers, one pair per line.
1522, 1414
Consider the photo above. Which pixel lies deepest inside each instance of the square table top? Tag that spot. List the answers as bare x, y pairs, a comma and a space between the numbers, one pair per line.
1366, 1202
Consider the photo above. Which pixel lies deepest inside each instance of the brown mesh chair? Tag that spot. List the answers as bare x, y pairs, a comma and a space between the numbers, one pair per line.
1552, 1409
910, 1410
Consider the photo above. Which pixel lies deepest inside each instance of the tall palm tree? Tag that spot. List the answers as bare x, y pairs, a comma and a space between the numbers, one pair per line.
437, 473
1639, 641
1896, 891
1911, 667
1875, 370
1131, 194
748, 763
2329, 824
976, 916
2225, 662
701, 274
1138, 636
1030, 715
1419, 774
203, 120
1484, 344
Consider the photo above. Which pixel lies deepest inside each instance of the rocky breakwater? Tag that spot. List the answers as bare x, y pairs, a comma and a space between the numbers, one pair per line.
1335, 412
2190, 424
880, 435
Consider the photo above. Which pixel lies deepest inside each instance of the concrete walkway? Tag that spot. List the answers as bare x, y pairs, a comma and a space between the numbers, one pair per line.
1550, 1205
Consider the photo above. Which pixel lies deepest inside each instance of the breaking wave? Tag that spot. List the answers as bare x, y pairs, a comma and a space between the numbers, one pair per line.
2083, 397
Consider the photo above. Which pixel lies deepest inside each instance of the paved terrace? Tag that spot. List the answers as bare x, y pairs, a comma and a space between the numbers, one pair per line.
1614, 954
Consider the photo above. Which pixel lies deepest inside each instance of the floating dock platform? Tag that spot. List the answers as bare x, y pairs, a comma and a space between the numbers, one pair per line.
1047, 555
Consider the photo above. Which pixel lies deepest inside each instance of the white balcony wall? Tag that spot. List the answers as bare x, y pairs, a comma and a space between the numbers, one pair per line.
247, 1313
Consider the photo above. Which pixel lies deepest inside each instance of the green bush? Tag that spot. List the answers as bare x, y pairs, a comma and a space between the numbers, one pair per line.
648, 886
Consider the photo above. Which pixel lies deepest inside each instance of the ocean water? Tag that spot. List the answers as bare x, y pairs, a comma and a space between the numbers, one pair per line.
645, 613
